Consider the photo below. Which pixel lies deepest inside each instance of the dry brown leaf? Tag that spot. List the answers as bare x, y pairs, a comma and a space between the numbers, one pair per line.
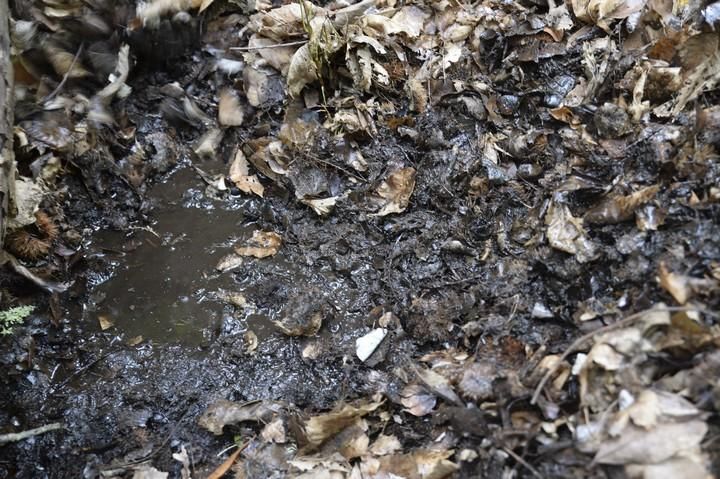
385, 445
682, 287
247, 183
274, 431
230, 112
639, 446
302, 71
418, 465
261, 245
396, 191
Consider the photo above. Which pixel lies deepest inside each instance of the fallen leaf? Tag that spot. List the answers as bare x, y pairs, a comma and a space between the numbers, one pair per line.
639, 446
230, 112
417, 400
566, 233
222, 413
418, 465
385, 445
239, 170
148, 472
105, 322
396, 191
261, 245
321, 427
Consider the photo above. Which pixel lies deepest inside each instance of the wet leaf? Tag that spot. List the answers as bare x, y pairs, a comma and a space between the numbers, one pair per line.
617, 209
321, 427
229, 262
302, 71
261, 245
396, 191
230, 112
566, 233
222, 413
105, 322
247, 183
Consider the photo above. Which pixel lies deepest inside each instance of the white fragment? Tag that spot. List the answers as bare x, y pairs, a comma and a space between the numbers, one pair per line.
366, 345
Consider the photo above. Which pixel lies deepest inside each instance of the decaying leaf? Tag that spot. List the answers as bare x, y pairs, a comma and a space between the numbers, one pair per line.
261, 245
229, 262
149, 472
566, 233
230, 112
321, 427
617, 209
417, 400
396, 191
637, 445
221, 413
682, 287
239, 170
438, 384
385, 445
417, 465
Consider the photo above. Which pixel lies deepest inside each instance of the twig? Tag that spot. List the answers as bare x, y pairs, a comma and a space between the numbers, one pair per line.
225, 466
523, 462
579, 341
65, 76
19, 436
262, 47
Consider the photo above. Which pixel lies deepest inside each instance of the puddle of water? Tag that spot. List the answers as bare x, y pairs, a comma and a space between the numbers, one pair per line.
163, 283
164, 287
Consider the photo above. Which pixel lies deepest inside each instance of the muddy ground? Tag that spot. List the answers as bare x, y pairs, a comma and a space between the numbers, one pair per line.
146, 338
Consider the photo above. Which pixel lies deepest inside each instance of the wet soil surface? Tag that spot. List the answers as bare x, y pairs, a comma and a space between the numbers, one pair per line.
151, 332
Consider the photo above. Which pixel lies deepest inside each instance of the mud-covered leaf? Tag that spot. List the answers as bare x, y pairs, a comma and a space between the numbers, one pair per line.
396, 191
261, 245
566, 233
223, 413
321, 427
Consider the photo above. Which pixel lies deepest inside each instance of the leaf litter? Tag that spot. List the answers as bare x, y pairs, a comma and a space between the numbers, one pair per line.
541, 172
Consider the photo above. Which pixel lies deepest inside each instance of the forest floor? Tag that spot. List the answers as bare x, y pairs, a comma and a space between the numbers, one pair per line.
373, 240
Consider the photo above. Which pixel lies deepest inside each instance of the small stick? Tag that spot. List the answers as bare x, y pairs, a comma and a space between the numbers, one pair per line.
262, 47
65, 76
579, 341
19, 436
523, 462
